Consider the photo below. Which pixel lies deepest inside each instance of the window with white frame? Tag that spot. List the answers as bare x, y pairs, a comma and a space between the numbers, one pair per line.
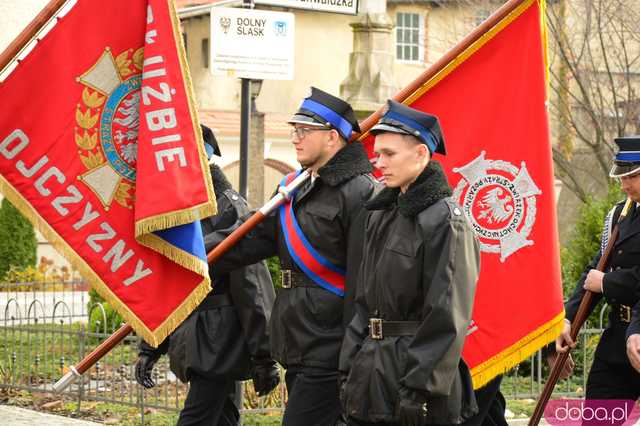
409, 36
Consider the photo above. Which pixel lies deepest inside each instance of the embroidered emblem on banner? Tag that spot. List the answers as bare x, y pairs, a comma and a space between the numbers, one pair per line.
500, 202
107, 126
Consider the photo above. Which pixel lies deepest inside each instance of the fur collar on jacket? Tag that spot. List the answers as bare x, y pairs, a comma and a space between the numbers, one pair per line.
430, 187
349, 162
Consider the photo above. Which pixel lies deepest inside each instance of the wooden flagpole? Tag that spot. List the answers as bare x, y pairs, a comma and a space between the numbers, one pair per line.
30, 31
578, 321
259, 216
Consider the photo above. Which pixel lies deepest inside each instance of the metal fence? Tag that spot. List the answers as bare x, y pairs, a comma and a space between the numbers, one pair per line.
46, 327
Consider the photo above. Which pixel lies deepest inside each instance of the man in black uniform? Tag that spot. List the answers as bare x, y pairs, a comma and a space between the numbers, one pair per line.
632, 182
402, 350
310, 312
225, 338
491, 405
611, 375
633, 338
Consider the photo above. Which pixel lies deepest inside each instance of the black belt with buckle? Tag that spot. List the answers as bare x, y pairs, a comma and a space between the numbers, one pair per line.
379, 328
624, 313
292, 279
215, 301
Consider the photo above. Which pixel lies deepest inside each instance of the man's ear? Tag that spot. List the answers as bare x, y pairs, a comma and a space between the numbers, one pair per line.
423, 151
334, 137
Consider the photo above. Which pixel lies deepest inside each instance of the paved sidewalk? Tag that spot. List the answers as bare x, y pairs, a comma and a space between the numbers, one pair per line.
17, 416
524, 422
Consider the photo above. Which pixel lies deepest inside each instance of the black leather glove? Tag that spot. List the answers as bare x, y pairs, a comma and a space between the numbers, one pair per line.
265, 376
144, 367
412, 407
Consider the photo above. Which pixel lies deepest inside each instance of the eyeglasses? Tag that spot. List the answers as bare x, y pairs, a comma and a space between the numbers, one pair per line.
301, 132
629, 177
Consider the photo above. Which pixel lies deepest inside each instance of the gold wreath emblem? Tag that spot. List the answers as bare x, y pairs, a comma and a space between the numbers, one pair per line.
100, 81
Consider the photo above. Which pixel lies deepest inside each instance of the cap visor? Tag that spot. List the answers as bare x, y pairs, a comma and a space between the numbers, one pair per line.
624, 170
381, 127
304, 119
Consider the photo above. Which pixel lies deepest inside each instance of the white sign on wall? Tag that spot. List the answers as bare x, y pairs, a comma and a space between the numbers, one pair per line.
349, 7
250, 43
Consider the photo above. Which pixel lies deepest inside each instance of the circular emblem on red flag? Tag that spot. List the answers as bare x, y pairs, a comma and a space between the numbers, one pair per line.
499, 199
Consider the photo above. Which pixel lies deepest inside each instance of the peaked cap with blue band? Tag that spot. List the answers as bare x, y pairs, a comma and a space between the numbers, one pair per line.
210, 142
402, 119
627, 159
320, 109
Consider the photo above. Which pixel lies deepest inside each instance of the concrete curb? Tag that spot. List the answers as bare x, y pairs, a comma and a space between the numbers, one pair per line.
18, 416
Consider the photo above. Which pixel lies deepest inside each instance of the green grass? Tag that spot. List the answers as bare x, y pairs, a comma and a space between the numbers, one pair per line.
49, 345
261, 420
35, 353
118, 414
521, 407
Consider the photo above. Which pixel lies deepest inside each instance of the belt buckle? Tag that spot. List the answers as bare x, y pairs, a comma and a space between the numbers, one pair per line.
625, 313
286, 278
375, 328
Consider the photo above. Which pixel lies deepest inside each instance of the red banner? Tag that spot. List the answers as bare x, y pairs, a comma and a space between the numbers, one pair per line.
101, 148
491, 101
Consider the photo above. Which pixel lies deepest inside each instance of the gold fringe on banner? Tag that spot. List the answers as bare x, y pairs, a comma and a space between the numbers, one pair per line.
209, 208
181, 313
545, 42
516, 353
152, 337
175, 218
455, 63
144, 228
182, 258
522, 349
188, 89
484, 39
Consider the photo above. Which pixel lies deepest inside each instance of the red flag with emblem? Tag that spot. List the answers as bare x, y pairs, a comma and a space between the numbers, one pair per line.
491, 102
101, 148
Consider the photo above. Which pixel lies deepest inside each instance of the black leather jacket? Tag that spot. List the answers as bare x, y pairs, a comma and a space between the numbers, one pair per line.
307, 325
620, 286
228, 331
421, 264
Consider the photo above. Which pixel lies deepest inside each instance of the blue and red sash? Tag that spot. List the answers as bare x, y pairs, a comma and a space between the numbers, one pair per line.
312, 263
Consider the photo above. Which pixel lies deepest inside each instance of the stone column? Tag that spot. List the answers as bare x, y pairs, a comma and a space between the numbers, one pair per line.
371, 79
255, 184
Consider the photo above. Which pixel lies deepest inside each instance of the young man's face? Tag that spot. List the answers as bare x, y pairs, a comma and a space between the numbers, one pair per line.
400, 158
631, 186
309, 143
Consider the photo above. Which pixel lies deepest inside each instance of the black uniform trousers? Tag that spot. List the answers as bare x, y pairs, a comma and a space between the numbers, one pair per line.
491, 406
313, 397
209, 402
608, 380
